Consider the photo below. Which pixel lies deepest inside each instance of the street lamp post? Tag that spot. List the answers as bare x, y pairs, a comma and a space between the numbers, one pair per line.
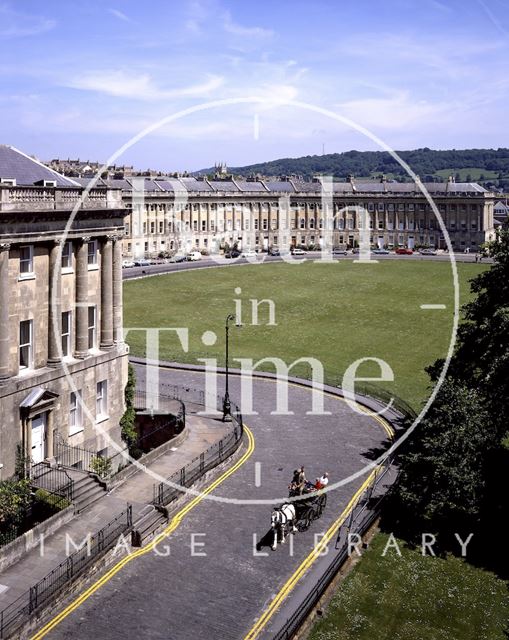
226, 400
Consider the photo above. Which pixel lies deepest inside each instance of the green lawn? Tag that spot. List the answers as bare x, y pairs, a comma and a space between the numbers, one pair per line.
337, 313
415, 598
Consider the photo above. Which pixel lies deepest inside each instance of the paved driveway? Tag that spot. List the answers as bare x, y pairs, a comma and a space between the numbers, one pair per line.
221, 594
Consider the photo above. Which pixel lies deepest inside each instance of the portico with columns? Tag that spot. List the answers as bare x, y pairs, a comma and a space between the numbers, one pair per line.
55, 354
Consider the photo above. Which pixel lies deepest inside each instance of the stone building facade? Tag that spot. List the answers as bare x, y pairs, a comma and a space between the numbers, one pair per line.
167, 215
63, 361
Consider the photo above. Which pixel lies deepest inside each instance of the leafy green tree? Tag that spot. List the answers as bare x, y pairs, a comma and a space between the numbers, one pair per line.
453, 468
443, 477
127, 422
14, 502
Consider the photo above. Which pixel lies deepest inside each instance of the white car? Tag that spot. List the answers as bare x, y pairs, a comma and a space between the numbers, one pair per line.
299, 252
249, 253
194, 255
127, 263
142, 262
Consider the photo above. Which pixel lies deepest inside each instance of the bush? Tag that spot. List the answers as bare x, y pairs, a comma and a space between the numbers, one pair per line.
101, 466
15, 501
52, 500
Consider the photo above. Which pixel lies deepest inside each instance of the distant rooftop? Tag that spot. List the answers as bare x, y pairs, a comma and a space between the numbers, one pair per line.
26, 171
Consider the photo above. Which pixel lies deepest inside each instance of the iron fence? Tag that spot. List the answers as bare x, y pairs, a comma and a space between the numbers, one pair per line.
363, 514
55, 481
70, 456
18, 613
166, 492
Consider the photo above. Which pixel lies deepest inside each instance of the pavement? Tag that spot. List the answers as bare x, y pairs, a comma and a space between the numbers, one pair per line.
182, 590
136, 490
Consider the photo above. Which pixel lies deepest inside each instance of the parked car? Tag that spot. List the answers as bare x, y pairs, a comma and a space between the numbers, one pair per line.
127, 263
142, 262
298, 252
232, 253
251, 253
193, 256
380, 251
338, 251
178, 257
274, 252
404, 251
428, 252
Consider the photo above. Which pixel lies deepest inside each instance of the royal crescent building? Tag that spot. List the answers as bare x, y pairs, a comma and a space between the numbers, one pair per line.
63, 361
184, 214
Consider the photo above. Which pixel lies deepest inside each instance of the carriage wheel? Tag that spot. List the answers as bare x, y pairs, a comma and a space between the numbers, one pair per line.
322, 501
306, 519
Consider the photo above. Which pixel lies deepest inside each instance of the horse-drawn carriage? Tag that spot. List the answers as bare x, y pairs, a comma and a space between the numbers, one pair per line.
310, 507
298, 514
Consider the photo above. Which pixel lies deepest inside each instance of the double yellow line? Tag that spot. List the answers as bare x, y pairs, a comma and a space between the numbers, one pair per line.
177, 519
308, 561
175, 522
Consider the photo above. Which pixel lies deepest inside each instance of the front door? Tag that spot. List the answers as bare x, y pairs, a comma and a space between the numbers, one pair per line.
38, 433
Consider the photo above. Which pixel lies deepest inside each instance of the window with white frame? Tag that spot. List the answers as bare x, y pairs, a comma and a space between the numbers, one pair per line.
26, 344
66, 334
75, 413
67, 256
101, 401
92, 328
92, 252
26, 260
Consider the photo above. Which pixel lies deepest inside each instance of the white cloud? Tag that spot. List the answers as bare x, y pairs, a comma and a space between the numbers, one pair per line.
16, 25
395, 112
451, 57
246, 32
123, 84
120, 15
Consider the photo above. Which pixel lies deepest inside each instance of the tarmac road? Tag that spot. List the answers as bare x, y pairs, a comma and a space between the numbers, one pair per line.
207, 262
220, 595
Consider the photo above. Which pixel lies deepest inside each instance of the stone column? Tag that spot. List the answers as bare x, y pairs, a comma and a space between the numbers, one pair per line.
54, 304
107, 294
4, 311
118, 331
81, 349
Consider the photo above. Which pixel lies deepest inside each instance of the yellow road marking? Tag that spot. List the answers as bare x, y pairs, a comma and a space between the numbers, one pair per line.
177, 519
308, 561
175, 522
389, 430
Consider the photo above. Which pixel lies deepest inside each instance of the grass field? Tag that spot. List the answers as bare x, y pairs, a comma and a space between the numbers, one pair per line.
415, 598
337, 313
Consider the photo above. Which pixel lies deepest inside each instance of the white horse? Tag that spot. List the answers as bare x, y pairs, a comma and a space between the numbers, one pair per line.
282, 519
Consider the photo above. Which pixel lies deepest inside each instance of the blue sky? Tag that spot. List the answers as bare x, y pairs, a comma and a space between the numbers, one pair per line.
81, 78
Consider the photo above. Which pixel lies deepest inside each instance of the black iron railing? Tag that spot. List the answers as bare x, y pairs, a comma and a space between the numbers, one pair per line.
18, 613
166, 492
55, 481
68, 455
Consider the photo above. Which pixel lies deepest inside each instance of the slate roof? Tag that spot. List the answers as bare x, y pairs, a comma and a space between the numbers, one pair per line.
251, 185
192, 184
279, 186
223, 185
15, 164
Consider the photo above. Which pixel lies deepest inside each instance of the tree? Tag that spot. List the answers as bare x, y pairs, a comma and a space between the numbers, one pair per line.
127, 421
14, 502
443, 478
453, 468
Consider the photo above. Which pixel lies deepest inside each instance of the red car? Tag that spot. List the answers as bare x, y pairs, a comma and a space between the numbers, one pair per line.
403, 251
